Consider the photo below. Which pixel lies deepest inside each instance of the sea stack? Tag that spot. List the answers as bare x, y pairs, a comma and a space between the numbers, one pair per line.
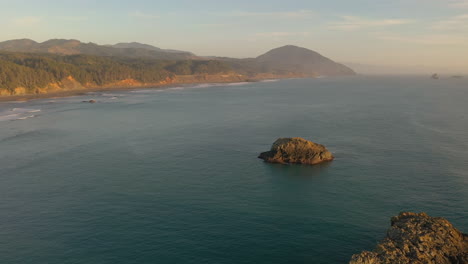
296, 151
418, 238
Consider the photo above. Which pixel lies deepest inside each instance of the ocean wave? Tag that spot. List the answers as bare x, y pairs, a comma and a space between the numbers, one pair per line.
186, 87
204, 85
238, 84
194, 86
24, 110
25, 117
8, 117
429, 127
17, 102
112, 95
145, 91
18, 114
176, 88
105, 94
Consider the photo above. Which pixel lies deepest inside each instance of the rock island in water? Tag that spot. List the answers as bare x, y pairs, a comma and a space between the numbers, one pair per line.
296, 151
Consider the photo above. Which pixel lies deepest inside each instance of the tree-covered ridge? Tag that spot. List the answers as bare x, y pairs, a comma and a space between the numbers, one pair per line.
75, 47
29, 73
34, 71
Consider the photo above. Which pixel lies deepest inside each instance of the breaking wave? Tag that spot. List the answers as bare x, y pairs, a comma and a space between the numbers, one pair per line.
18, 114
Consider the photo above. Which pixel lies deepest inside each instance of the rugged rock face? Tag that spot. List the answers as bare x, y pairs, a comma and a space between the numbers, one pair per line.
418, 238
296, 150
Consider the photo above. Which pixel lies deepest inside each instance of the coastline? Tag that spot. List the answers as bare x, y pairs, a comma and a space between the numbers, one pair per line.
178, 81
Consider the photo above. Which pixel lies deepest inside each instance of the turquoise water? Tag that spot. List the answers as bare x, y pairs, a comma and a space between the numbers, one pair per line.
171, 176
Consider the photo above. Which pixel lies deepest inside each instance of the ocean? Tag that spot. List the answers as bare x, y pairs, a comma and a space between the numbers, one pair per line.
172, 175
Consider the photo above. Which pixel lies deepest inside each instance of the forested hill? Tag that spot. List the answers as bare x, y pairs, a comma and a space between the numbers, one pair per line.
75, 47
25, 73
291, 59
46, 67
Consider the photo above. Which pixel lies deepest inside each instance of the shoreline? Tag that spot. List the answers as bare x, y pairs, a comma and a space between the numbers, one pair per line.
79, 92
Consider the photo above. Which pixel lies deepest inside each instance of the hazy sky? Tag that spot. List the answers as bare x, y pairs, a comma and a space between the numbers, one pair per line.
430, 34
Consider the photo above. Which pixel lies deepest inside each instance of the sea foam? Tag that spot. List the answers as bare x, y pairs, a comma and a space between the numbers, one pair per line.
18, 114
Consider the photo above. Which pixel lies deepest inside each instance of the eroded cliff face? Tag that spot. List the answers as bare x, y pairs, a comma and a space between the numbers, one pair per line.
71, 84
419, 239
66, 84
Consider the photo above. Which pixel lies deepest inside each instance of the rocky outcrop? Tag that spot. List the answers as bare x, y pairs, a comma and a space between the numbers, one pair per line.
418, 238
296, 150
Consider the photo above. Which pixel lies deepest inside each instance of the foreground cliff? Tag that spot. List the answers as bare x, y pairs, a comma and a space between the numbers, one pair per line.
419, 239
296, 151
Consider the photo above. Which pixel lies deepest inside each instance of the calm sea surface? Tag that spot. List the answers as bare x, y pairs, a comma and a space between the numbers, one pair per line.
172, 176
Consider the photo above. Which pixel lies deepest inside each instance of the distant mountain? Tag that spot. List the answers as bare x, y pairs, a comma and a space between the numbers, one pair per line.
18, 45
136, 45
284, 60
289, 60
301, 60
73, 47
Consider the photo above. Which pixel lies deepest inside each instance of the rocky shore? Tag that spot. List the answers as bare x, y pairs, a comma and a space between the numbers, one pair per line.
296, 151
419, 239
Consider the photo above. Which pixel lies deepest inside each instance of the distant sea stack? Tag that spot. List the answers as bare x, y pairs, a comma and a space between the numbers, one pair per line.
418, 239
296, 151
435, 76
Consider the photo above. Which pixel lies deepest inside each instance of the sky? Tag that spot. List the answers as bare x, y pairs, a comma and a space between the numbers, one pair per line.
386, 35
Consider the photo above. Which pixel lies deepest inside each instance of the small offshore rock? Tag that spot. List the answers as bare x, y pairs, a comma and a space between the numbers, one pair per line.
296, 151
